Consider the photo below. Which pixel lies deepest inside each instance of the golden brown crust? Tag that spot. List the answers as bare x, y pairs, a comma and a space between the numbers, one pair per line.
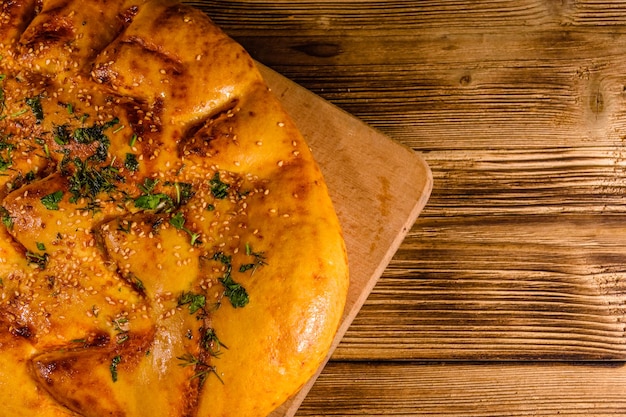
169, 247
166, 229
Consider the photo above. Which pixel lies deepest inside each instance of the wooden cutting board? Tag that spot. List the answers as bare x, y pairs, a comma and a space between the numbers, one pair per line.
378, 187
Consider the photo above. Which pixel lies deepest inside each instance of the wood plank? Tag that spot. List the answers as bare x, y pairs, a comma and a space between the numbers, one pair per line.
466, 289
472, 390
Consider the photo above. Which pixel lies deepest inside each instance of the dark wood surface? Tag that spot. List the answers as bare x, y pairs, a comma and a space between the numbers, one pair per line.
508, 296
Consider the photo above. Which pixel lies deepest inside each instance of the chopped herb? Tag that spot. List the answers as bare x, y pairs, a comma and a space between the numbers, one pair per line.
184, 192
40, 246
152, 201
41, 260
61, 135
259, 260
237, 294
5, 163
211, 343
7, 220
137, 283
6, 160
202, 369
178, 221
225, 259
149, 201
35, 105
131, 163
132, 141
210, 207
94, 133
219, 189
113, 367
88, 181
19, 113
2, 98
51, 201
148, 185
195, 301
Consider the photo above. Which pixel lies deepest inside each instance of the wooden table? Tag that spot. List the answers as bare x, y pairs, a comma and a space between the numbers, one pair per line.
508, 296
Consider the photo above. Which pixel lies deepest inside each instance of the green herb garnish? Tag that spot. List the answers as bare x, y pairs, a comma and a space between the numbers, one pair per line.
7, 220
150, 201
88, 181
201, 368
51, 201
178, 221
41, 260
211, 343
61, 135
113, 367
131, 163
219, 189
35, 105
259, 260
195, 301
237, 294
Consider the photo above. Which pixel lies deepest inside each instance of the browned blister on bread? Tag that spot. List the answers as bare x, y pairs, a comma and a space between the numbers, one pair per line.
168, 246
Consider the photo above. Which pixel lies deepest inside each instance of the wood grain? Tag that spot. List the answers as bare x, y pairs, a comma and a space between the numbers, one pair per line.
400, 389
519, 108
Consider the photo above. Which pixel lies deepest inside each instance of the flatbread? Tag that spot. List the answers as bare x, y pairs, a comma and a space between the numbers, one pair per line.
168, 245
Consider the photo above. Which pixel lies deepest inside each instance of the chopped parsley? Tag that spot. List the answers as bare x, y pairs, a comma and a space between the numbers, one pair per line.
94, 133
234, 291
178, 221
7, 220
131, 163
35, 105
52, 200
259, 260
184, 192
237, 294
61, 135
6, 159
195, 301
219, 189
150, 201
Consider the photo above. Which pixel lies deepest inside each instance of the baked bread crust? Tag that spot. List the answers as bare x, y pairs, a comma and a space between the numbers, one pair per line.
169, 247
